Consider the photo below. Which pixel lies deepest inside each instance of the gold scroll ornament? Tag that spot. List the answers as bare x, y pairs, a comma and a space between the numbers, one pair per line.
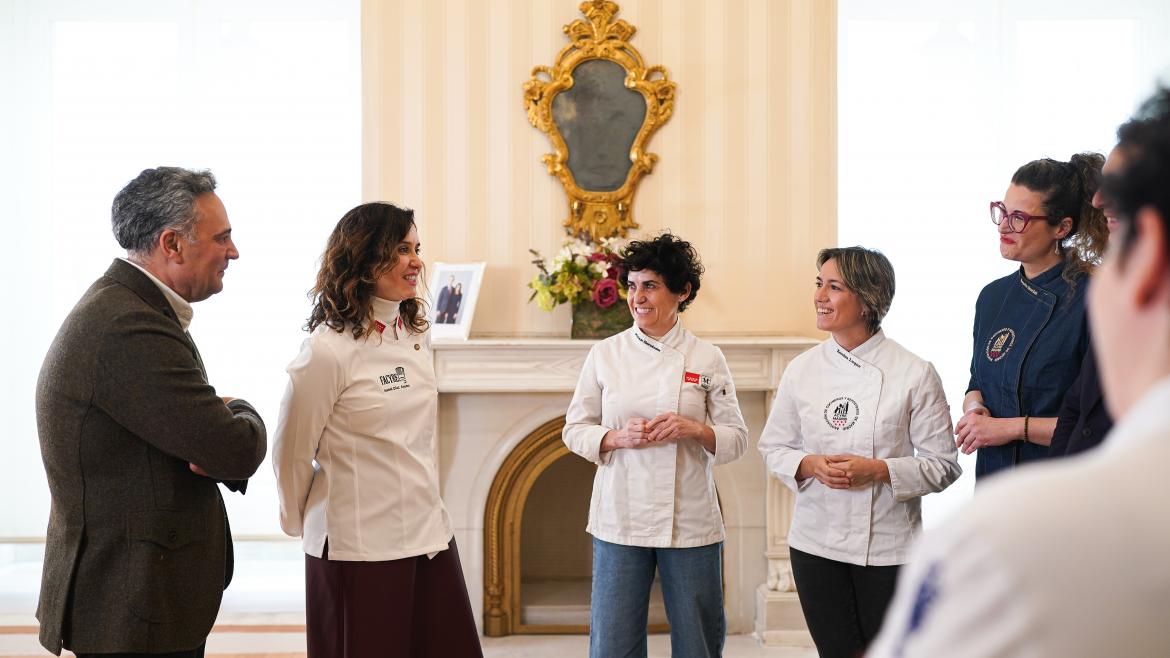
600, 200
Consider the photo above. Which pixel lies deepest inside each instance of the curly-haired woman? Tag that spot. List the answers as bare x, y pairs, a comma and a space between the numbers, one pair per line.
655, 409
354, 455
1031, 333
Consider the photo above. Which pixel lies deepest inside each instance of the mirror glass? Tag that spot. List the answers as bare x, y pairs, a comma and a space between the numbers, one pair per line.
599, 118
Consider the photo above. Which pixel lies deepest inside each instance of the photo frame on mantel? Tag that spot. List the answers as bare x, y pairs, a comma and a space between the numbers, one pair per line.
599, 104
454, 291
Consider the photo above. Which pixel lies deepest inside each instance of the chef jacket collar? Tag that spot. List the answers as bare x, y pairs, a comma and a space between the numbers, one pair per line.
1144, 421
386, 312
673, 338
860, 354
1044, 279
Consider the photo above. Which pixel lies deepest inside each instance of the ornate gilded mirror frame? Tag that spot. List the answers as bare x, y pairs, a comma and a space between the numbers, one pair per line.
599, 214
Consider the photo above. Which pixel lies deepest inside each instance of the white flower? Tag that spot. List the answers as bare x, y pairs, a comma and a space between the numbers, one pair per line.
581, 260
615, 244
600, 268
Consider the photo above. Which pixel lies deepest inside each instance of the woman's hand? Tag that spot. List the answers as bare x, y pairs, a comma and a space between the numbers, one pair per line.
819, 467
977, 429
672, 427
861, 471
633, 435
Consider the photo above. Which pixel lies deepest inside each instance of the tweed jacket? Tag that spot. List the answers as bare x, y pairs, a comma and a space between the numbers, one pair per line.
138, 551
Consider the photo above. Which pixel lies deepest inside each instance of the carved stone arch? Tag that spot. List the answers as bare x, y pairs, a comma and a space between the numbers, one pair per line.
502, 529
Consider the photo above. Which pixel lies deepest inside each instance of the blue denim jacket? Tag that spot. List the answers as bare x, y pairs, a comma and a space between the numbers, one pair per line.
1030, 337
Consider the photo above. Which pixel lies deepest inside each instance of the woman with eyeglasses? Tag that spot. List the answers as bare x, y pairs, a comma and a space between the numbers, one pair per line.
1030, 330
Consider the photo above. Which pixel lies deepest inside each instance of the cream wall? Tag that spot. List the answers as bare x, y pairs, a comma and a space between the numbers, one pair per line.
748, 161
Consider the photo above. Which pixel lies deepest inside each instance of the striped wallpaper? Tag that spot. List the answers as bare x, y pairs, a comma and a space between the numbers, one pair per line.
747, 167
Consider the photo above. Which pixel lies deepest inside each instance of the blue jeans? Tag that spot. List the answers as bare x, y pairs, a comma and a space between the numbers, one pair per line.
692, 589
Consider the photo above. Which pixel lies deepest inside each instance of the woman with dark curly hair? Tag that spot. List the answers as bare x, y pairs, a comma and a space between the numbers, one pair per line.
655, 409
354, 455
1030, 330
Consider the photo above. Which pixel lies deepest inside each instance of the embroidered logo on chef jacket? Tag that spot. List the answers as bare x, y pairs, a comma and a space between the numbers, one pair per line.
841, 413
928, 591
695, 378
394, 381
1000, 344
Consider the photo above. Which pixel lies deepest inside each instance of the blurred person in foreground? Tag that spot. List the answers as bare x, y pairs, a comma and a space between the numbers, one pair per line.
1007, 577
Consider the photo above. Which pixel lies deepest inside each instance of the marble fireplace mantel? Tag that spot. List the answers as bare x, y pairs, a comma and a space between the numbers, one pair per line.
530, 365
494, 370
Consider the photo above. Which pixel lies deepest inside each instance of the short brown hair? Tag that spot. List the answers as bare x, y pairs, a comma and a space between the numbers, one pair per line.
869, 274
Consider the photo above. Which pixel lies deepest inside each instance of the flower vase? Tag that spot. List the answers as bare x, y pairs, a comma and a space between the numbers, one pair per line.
592, 321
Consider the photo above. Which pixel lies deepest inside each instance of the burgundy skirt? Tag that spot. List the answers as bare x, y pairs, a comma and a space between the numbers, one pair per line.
409, 608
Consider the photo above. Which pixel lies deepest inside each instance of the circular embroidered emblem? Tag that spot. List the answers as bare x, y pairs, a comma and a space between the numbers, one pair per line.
1000, 344
841, 413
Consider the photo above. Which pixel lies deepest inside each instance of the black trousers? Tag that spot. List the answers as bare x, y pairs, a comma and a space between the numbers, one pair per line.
409, 608
843, 603
197, 652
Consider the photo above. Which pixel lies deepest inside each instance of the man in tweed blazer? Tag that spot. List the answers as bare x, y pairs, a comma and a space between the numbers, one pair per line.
134, 439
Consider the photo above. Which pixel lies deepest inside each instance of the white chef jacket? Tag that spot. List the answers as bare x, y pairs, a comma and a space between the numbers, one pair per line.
879, 401
1067, 558
354, 451
661, 495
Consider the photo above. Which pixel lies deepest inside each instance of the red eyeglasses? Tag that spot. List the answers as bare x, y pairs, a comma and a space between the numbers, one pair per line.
1017, 221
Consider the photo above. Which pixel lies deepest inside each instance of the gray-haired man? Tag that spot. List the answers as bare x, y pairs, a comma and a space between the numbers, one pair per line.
133, 437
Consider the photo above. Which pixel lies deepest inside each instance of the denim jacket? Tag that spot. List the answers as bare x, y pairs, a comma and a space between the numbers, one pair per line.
1030, 337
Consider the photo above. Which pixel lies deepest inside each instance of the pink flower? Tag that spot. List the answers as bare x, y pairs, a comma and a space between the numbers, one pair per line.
596, 256
605, 293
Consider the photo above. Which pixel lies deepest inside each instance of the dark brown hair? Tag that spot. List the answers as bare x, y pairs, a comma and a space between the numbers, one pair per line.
362, 247
1068, 189
673, 258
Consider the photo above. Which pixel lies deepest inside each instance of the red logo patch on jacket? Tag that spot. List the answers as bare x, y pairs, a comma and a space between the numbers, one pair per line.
691, 377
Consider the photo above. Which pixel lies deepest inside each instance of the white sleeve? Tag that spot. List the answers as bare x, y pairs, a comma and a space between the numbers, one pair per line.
960, 597
781, 442
583, 429
726, 417
935, 464
315, 381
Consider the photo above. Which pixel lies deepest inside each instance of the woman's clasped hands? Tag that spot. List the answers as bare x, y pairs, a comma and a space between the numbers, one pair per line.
843, 471
640, 432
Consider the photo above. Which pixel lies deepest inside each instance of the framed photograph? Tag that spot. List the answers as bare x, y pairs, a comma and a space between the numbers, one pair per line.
454, 288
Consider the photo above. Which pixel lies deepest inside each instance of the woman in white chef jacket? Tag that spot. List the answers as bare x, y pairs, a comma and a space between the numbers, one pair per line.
655, 409
860, 430
354, 456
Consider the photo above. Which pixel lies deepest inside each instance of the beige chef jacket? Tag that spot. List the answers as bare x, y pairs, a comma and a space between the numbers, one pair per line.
661, 495
1067, 558
879, 401
354, 451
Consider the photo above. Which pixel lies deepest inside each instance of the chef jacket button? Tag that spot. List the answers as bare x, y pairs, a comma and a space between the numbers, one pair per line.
416, 347
172, 536
1087, 432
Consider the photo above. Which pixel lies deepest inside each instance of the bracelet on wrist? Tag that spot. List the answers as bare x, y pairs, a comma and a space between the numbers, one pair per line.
1026, 430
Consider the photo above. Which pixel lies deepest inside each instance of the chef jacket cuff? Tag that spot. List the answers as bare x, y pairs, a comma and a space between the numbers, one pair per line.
593, 437
727, 448
786, 470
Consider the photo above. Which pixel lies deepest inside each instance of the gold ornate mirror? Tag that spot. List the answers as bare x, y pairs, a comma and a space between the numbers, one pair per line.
599, 105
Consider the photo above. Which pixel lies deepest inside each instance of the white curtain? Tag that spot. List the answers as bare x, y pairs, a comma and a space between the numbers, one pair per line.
265, 93
939, 103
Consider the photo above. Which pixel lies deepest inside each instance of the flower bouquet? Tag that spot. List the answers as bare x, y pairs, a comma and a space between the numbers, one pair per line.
584, 274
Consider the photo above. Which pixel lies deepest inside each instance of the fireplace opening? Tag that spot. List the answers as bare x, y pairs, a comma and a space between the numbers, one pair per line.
538, 559
556, 554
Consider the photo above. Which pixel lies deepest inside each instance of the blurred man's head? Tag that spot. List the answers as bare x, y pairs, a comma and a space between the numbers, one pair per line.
1130, 296
170, 221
